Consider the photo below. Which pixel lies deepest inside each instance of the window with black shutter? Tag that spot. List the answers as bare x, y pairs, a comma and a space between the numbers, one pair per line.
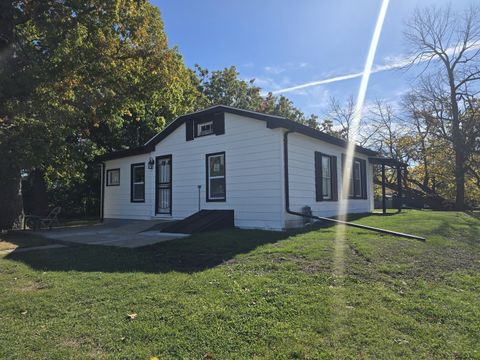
326, 177
358, 183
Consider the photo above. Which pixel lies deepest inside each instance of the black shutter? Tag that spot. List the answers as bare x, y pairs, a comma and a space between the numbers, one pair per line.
333, 161
363, 176
189, 129
219, 123
318, 176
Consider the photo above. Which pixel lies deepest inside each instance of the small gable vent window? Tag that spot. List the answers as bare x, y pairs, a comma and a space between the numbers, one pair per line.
205, 128
211, 124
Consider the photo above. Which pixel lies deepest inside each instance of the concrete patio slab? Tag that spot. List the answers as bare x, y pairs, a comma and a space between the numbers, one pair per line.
121, 233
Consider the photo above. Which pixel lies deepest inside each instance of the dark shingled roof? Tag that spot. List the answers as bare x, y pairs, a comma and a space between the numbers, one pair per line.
272, 122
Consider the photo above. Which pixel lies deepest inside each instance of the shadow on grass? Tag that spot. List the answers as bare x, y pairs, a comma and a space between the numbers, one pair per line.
192, 254
22, 239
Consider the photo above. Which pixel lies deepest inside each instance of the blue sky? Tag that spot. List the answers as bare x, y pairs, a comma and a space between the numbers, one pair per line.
284, 43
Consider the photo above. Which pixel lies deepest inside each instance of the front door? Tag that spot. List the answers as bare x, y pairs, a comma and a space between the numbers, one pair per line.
163, 193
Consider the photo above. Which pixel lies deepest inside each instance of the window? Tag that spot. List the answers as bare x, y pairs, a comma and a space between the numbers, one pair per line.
113, 177
205, 128
216, 177
199, 126
325, 177
356, 179
357, 188
138, 183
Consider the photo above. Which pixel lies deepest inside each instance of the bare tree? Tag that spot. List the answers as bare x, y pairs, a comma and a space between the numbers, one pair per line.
417, 116
341, 116
448, 43
387, 130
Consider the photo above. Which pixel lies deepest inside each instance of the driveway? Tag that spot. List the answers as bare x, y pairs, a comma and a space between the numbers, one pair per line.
121, 233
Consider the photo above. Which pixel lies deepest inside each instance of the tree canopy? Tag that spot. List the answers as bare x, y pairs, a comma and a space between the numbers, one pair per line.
82, 77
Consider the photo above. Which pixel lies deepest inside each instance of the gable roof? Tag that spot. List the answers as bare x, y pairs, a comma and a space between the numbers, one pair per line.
272, 122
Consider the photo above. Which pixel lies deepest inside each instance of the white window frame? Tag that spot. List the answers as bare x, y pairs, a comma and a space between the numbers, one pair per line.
327, 180
109, 177
134, 166
356, 163
209, 177
203, 132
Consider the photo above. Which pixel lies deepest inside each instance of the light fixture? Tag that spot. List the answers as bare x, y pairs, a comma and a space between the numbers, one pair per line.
151, 162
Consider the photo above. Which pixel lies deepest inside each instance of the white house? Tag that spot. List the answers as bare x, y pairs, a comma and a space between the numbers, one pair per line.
262, 167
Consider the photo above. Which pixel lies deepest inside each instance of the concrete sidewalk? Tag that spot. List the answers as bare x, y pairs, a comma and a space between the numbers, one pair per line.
121, 233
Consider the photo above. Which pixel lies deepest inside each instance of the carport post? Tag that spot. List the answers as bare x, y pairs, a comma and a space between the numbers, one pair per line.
384, 201
399, 188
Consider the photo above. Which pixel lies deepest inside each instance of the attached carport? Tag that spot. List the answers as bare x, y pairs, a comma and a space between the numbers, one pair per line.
398, 166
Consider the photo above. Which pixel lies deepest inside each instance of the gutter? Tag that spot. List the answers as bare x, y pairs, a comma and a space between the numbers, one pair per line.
287, 203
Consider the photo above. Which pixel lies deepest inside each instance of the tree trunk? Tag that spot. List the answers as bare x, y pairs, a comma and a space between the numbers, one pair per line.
39, 196
11, 209
459, 180
458, 146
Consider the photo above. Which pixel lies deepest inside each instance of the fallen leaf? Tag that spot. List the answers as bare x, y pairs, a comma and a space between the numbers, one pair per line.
24, 312
208, 355
131, 316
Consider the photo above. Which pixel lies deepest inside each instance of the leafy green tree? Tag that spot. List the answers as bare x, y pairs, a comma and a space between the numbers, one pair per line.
224, 87
79, 78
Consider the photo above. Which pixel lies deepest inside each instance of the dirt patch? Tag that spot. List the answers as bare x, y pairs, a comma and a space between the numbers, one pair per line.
434, 263
87, 347
400, 261
5, 245
304, 264
31, 286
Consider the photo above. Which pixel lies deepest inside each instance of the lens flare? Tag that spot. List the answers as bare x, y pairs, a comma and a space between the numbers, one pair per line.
347, 168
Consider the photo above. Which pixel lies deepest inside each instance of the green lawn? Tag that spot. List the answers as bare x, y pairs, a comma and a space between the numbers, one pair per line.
253, 294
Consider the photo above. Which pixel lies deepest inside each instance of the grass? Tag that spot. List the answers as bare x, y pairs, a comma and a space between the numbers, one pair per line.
252, 294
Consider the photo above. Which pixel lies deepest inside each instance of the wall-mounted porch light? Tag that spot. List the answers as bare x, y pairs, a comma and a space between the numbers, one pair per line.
151, 162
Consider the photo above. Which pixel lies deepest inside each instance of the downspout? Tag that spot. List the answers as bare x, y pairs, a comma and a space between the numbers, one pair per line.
102, 190
287, 203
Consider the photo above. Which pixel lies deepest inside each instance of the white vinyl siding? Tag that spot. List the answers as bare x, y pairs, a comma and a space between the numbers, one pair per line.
302, 179
254, 175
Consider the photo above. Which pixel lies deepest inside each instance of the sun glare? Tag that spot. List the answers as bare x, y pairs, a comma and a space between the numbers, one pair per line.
347, 169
